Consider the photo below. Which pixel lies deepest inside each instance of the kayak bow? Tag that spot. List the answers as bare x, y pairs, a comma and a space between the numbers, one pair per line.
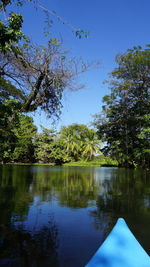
120, 249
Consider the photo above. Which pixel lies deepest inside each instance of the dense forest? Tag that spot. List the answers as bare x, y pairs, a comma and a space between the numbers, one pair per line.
20, 141
35, 77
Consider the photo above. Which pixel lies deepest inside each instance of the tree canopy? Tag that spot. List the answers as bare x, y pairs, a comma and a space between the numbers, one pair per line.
125, 122
20, 141
35, 75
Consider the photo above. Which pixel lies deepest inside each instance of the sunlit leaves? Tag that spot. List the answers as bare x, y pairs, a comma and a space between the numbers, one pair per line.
125, 127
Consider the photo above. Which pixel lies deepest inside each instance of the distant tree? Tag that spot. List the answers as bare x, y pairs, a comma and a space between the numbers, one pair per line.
74, 142
8, 121
125, 122
81, 142
43, 142
58, 153
16, 133
73, 137
91, 145
25, 134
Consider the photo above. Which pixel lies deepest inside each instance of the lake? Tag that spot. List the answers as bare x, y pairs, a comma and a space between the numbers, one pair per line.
59, 216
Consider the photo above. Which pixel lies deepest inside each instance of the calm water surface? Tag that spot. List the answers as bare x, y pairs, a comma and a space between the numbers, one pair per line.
58, 216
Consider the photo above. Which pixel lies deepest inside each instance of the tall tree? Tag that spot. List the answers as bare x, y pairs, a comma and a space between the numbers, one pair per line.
125, 122
38, 76
35, 75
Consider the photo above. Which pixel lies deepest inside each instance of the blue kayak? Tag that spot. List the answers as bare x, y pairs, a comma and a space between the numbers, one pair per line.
120, 249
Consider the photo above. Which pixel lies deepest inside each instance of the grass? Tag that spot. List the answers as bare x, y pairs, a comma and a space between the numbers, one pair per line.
98, 162
30, 163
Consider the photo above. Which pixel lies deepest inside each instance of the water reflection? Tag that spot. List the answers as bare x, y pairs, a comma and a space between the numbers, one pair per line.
127, 195
23, 248
58, 216
72, 187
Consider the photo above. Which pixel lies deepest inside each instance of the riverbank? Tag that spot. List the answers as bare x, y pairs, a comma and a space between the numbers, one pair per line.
99, 163
111, 163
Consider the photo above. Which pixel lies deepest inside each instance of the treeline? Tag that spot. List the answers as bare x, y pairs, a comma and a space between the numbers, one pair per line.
20, 141
123, 125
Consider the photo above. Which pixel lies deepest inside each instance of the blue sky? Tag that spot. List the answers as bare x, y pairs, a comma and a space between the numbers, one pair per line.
114, 25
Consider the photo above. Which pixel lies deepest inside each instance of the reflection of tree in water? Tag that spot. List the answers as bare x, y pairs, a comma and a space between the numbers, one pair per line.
73, 187
15, 198
125, 195
19, 247
116, 192
22, 248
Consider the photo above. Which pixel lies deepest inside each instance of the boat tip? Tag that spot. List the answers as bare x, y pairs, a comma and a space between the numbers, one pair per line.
121, 220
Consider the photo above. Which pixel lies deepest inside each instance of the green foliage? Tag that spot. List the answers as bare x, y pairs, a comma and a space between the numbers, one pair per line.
43, 143
20, 141
37, 76
81, 33
24, 149
7, 90
74, 142
16, 133
49, 148
125, 122
8, 121
11, 33
58, 153
81, 142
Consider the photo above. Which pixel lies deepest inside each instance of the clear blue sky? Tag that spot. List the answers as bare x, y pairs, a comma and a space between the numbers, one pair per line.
114, 25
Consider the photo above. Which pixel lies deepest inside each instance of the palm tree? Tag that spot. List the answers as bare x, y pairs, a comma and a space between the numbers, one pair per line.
72, 141
80, 141
91, 145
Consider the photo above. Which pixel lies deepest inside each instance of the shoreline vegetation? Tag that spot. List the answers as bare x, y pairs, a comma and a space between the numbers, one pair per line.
70, 164
100, 161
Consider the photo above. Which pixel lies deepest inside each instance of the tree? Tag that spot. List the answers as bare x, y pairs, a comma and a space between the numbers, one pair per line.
91, 145
125, 122
16, 133
58, 153
73, 136
8, 121
74, 142
10, 28
25, 134
43, 143
81, 142
40, 75
37, 76
49, 148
